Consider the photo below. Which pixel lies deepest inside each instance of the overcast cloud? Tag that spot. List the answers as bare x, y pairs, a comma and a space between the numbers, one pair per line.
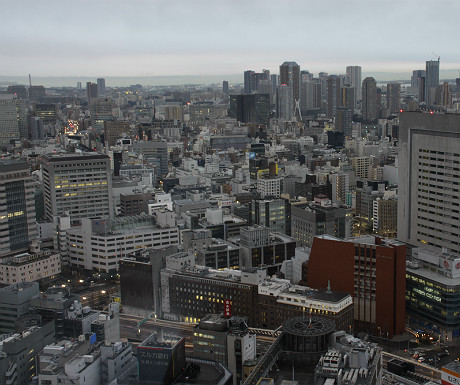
172, 37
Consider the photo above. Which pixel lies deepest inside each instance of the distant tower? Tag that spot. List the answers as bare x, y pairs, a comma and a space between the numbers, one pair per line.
285, 102
369, 102
354, 77
431, 82
290, 75
333, 95
91, 91
225, 87
101, 86
393, 98
249, 85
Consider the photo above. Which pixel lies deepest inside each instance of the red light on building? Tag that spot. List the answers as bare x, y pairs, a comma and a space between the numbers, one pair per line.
227, 308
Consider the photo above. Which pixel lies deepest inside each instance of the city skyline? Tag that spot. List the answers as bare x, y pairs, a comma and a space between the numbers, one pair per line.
211, 38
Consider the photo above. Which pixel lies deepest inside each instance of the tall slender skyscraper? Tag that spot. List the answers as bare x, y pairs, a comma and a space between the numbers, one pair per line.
369, 103
17, 211
290, 75
354, 78
393, 98
431, 82
101, 86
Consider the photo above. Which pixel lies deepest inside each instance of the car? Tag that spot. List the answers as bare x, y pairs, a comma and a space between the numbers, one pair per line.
421, 359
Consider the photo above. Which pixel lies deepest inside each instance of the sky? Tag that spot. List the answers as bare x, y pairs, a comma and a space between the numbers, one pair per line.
213, 37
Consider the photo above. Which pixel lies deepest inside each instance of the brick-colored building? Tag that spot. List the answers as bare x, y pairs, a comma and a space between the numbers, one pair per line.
372, 270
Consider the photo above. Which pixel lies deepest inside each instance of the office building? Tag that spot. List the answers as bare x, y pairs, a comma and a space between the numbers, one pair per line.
432, 292
364, 209
385, 215
47, 112
285, 102
36, 128
13, 120
101, 86
17, 213
428, 181
91, 91
113, 130
274, 214
270, 187
372, 270
290, 75
14, 302
310, 220
37, 265
19, 353
78, 185
252, 78
191, 293
333, 95
19, 90
262, 248
431, 82
444, 95
225, 87
369, 100
99, 244
254, 108
393, 98
37, 93
416, 77
344, 122
101, 112
354, 79
155, 153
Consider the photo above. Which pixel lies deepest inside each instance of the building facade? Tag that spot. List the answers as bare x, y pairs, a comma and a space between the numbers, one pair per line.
372, 271
79, 185
428, 181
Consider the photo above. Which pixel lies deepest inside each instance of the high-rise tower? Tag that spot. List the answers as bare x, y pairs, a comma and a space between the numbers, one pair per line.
369, 102
354, 78
290, 75
428, 181
431, 81
77, 184
17, 211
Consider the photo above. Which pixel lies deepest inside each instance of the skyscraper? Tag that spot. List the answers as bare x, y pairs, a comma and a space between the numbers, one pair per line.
253, 108
290, 75
333, 95
431, 82
354, 78
91, 91
13, 119
79, 184
225, 87
428, 181
17, 211
101, 86
415, 78
284, 102
369, 101
251, 80
393, 98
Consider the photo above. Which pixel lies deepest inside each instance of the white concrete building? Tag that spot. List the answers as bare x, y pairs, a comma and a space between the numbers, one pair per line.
100, 244
32, 266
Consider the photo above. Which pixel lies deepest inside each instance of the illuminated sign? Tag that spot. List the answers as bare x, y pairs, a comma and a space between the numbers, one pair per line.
227, 308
